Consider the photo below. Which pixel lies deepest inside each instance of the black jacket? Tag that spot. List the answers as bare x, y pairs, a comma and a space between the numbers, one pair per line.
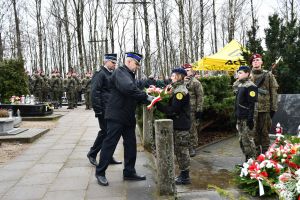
100, 90
178, 109
245, 101
124, 97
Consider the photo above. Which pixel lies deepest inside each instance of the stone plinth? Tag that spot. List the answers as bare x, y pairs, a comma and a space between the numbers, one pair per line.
6, 124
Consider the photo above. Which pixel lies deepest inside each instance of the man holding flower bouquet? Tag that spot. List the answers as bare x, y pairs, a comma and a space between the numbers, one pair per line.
178, 109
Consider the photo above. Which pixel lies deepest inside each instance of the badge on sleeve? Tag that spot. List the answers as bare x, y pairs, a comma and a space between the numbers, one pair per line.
252, 94
179, 96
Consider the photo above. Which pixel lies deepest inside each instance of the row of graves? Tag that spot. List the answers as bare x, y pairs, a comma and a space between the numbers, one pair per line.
27, 108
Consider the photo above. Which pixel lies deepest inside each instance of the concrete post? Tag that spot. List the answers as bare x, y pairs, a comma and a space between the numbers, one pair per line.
148, 138
165, 156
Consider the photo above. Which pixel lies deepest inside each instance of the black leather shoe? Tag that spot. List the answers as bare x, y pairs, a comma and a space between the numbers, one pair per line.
102, 180
134, 177
114, 161
92, 160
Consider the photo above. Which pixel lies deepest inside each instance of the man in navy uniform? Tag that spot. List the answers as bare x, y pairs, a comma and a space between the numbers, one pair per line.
100, 96
120, 116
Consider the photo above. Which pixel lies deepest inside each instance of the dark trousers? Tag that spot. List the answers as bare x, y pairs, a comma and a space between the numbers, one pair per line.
114, 131
94, 150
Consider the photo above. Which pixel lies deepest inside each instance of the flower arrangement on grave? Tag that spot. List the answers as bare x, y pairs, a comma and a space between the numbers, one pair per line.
3, 113
275, 172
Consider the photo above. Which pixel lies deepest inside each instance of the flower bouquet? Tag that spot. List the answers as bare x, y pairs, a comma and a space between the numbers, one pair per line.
276, 171
162, 95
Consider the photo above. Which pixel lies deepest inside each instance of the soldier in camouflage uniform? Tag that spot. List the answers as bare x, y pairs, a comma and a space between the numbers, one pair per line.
71, 90
178, 109
196, 101
86, 89
78, 88
46, 87
246, 98
38, 83
61, 88
267, 102
55, 89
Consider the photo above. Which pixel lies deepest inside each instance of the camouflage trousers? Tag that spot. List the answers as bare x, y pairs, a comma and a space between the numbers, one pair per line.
263, 126
71, 99
181, 148
87, 97
246, 139
194, 131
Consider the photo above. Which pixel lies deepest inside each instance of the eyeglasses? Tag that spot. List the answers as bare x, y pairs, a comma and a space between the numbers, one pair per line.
113, 62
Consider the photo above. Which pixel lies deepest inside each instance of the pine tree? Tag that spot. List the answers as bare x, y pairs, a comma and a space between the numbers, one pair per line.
283, 40
253, 44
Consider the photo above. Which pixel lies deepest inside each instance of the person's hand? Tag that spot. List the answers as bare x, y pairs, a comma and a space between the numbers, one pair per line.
150, 98
250, 123
198, 115
272, 113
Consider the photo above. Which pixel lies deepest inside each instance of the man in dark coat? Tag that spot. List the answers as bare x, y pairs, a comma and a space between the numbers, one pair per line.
120, 115
100, 95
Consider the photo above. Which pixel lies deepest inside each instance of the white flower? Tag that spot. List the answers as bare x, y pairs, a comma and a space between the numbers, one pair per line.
269, 164
298, 187
297, 173
244, 172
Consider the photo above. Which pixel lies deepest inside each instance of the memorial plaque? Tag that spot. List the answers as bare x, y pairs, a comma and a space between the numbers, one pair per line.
288, 114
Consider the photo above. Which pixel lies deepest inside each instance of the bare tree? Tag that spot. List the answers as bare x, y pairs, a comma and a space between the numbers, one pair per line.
191, 24
18, 33
159, 61
68, 37
215, 26
39, 33
182, 42
147, 40
79, 8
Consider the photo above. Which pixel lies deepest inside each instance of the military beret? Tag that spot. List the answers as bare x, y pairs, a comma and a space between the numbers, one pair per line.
254, 56
179, 70
244, 68
187, 65
135, 56
110, 56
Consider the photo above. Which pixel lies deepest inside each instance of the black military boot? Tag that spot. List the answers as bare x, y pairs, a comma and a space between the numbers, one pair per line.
183, 178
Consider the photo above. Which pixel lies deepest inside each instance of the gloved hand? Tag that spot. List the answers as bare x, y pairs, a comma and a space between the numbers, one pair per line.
272, 113
198, 115
150, 98
250, 123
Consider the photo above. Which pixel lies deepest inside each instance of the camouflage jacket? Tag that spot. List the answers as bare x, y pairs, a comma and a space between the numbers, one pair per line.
196, 93
267, 90
86, 85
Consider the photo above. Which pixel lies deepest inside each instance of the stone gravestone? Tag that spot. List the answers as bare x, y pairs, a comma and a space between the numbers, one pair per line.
288, 114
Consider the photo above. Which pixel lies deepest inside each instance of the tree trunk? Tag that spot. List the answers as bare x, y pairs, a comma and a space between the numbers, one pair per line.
182, 42
231, 20
191, 31
215, 27
68, 38
147, 41
159, 61
18, 34
79, 23
95, 35
39, 33
201, 29
1, 47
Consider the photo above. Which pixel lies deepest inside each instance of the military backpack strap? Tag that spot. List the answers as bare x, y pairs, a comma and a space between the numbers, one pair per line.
259, 82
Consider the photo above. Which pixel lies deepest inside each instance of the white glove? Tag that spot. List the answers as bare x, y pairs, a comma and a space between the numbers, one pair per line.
150, 98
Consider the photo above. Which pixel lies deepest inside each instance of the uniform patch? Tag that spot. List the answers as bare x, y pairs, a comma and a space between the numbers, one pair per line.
252, 94
179, 96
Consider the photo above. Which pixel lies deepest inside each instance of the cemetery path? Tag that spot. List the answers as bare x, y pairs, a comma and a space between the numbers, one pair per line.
55, 167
